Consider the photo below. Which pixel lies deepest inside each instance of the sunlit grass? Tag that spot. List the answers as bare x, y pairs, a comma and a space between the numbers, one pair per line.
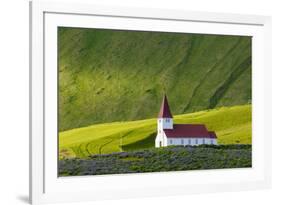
232, 125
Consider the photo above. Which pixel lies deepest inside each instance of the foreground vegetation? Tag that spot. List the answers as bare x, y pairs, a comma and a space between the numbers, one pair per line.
232, 125
174, 158
110, 76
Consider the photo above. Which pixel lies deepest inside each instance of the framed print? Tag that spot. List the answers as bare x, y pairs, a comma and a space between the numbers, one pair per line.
130, 102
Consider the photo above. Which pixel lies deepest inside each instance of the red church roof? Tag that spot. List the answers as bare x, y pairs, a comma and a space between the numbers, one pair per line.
165, 110
189, 131
212, 134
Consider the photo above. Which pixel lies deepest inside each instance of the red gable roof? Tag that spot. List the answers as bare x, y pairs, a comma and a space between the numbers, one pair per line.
165, 110
212, 134
188, 131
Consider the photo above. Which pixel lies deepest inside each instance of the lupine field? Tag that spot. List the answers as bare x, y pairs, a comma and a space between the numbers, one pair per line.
174, 158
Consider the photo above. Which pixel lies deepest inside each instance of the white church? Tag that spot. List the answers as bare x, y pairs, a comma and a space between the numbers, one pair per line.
169, 133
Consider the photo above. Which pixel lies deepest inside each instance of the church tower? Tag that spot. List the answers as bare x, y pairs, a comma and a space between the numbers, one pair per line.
164, 122
165, 118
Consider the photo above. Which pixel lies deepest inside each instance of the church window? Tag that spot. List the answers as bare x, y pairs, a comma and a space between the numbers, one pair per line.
196, 141
189, 141
182, 141
171, 141
203, 141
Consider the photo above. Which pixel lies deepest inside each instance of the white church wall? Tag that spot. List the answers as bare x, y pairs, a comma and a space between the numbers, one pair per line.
161, 137
190, 141
214, 141
157, 141
165, 141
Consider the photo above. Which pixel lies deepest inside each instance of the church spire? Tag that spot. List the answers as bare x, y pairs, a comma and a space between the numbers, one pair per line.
165, 109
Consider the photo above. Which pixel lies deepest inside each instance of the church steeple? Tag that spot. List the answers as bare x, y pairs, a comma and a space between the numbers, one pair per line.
165, 118
165, 109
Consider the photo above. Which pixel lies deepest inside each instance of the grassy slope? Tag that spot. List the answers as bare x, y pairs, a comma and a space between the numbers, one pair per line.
107, 76
232, 125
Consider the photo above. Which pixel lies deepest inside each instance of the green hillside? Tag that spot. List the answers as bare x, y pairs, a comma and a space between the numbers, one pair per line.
109, 76
232, 125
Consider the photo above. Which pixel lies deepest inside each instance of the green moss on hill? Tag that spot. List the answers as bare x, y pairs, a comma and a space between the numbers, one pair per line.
107, 76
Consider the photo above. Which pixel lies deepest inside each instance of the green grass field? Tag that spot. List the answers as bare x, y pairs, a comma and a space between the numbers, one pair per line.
232, 125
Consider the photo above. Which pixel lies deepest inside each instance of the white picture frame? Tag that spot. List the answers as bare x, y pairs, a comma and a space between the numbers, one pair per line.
46, 187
